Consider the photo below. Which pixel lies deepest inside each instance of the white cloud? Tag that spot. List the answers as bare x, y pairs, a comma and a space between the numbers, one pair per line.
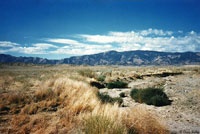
44, 45
180, 31
129, 47
3, 51
73, 47
8, 44
81, 50
124, 37
78, 51
100, 38
150, 39
106, 39
65, 47
192, 32
65, 41
28, 50
151, 31
78, 48
38, 48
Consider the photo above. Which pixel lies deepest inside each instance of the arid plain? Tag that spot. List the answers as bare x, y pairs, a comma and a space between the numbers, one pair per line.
61, 99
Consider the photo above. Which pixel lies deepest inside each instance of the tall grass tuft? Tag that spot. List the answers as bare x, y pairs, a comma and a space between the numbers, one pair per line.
102, 125
87, 73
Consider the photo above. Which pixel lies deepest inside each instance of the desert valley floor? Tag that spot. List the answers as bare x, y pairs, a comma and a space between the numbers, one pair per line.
60, 99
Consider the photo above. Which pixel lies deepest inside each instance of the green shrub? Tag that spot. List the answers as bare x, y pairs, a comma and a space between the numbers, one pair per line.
102, 125
97, 84
122, 94
101, 78
116, 84
150, 96
107, 99
135, 94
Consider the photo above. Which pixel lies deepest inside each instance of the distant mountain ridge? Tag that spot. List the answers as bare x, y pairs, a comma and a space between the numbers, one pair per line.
131, 58
4, 58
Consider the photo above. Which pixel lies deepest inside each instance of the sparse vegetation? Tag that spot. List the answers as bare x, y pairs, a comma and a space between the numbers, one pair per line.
107, 99
122, 94
116, 84
150, 96
101, 78
97, 84
87, 73
45, 99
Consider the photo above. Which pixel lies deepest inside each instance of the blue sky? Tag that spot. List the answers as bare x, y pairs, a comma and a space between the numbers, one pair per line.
58, 29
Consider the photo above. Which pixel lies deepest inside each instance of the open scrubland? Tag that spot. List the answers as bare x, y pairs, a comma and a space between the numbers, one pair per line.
66, 99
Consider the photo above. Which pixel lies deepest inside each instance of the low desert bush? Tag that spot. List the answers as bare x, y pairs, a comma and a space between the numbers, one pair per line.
105, 98
101, 78
97, 84
150, 96
116, 84
122, 94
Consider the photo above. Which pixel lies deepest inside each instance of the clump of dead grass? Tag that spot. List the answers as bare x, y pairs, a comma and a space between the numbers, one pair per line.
44, 94
12, 102
87, 73
24, 124
5, 81
42, 106
141, 121
12, 97
16, 97
102, 125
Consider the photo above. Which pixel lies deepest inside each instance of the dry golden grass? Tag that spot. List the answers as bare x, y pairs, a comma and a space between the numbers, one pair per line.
44, 94
144, 122
15, 97
102, 125
24, 124
5, 81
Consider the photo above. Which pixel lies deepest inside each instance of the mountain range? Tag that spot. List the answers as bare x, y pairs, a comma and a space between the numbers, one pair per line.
127, 58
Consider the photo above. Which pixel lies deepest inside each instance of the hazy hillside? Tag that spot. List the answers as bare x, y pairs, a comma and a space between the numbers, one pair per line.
4, 58
116, 58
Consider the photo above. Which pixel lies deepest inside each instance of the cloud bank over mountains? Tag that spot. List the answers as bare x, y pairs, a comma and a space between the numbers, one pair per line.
81, 44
